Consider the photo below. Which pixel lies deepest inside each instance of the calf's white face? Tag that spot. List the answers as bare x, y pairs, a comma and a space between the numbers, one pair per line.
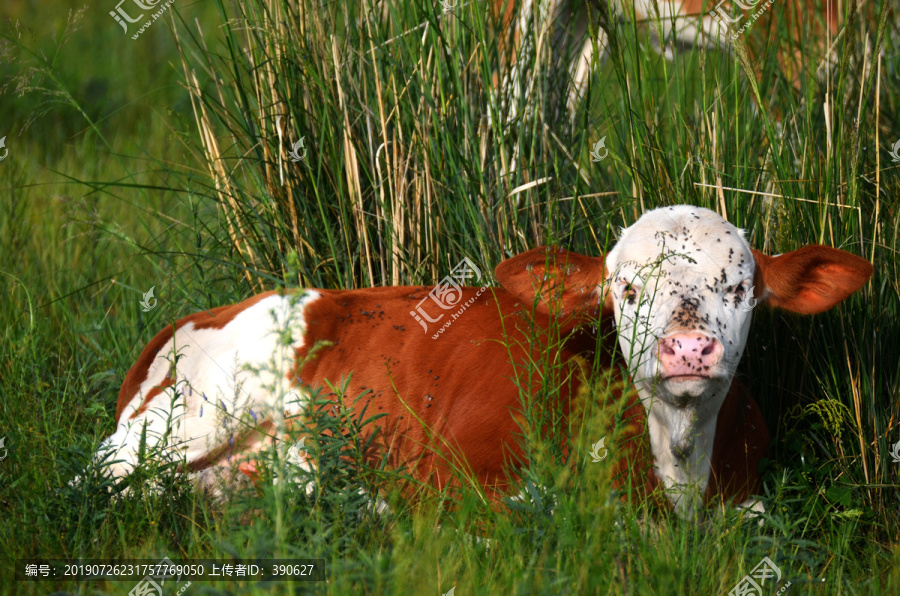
680, 280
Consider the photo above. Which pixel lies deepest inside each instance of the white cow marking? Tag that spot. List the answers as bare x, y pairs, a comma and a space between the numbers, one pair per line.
238, 379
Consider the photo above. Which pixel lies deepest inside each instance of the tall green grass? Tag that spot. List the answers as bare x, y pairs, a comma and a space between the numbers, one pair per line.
410, 165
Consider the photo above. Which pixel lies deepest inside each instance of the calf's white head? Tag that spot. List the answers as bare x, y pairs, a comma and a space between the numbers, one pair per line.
682, 283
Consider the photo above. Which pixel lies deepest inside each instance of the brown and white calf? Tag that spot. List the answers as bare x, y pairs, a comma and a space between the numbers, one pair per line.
564, 26
678, 287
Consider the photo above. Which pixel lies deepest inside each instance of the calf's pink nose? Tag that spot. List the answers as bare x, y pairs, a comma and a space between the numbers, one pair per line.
689, 354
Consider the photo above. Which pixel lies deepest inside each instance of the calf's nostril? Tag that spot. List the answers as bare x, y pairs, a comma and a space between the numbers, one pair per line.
709, 349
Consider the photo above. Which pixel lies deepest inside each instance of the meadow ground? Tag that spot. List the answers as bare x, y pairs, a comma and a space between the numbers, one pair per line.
156, 162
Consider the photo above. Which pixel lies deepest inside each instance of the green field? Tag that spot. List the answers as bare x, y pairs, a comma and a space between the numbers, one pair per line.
156, 162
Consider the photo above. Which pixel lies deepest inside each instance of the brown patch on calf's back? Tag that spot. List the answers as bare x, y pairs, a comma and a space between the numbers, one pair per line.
449, 402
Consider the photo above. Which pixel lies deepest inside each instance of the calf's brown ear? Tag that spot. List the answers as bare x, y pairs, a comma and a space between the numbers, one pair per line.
557, 282
809, 280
